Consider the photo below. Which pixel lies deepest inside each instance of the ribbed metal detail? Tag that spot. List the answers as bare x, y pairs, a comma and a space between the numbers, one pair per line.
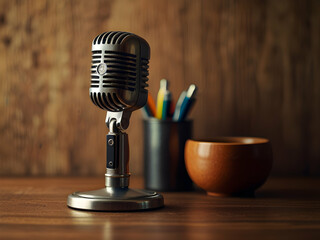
121, 70
96, 59
111, 37
144, 72
108, 101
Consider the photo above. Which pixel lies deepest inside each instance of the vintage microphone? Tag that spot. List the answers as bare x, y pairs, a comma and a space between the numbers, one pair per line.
119, 75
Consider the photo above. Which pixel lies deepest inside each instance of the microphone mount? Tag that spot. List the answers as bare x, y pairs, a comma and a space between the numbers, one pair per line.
116, 195
117, 167
122, 119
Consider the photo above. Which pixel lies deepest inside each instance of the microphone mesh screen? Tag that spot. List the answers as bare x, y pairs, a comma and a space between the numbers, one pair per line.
119, 71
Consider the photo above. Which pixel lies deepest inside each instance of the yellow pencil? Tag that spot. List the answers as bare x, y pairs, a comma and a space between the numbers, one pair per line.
160, 97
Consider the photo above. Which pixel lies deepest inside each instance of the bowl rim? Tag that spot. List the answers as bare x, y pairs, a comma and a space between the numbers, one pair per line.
233, 140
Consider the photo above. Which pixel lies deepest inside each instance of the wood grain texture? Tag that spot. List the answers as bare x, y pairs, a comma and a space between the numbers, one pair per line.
35, 208
256, 64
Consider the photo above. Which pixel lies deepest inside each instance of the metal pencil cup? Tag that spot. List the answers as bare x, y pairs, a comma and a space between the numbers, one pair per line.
164, 166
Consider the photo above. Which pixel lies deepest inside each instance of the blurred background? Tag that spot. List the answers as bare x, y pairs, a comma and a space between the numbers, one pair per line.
256, 63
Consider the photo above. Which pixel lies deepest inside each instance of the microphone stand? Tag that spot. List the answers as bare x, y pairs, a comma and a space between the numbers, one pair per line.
116, 196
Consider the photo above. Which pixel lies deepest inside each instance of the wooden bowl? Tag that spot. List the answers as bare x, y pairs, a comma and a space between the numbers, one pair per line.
229, 166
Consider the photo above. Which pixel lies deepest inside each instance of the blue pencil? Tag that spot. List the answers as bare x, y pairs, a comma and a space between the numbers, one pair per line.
187, 103
177, 109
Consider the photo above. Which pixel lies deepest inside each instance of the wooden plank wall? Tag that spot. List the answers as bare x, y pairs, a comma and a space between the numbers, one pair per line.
256, 64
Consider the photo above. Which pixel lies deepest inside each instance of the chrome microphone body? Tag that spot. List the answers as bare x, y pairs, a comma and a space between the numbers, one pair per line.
119, 75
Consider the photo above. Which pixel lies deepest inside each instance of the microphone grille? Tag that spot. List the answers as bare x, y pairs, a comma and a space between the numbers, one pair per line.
119, 71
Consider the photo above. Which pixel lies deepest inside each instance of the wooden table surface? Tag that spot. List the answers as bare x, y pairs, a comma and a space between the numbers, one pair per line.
35, 208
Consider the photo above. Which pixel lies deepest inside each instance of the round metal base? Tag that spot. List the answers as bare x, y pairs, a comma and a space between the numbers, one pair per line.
115, 199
